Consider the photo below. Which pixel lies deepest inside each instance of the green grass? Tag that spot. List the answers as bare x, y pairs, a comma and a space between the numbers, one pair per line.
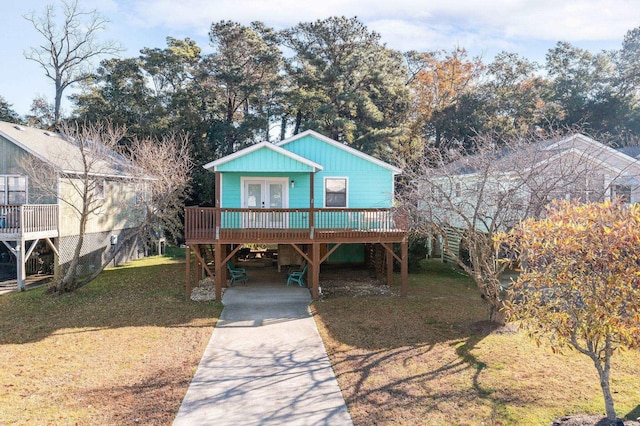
432, 359
121, 350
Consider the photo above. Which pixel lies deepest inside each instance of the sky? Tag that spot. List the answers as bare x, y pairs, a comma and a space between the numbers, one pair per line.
483, 27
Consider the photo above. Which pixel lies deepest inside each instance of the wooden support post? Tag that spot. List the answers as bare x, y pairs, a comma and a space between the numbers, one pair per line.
223, 270
188, 270
198, 268
404, 269
389, 257
218, 271
315, 271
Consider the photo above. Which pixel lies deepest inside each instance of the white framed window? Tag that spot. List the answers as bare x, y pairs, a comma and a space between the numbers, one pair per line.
623, 192
336, 192
13, 189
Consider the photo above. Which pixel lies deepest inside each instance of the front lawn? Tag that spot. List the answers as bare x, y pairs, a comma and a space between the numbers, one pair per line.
124, 349
429, 359
121, 350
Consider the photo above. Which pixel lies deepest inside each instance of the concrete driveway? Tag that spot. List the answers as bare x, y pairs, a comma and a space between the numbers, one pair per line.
264, 365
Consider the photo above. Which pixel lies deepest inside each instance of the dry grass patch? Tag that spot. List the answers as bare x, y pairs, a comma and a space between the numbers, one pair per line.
119, 351
429, 359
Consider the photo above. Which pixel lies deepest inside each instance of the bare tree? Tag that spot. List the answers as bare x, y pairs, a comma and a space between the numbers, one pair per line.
463, 197
69, 48
148, 183
168, 162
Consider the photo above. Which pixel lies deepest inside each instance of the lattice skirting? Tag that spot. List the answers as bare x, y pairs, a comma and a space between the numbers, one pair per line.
97, 247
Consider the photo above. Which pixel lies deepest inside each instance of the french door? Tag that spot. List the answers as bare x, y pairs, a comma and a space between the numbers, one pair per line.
261, 193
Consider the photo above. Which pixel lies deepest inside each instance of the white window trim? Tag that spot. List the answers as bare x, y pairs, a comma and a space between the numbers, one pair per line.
324, 192
4, 198
3, 193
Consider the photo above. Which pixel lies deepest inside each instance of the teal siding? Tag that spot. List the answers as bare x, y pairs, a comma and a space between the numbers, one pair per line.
370, 185
264, 160
299, 194
231, 191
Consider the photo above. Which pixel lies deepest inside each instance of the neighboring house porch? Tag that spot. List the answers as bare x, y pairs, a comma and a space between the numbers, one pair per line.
22, 227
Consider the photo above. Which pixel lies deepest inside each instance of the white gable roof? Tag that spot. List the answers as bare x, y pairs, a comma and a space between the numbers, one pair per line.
213, 165
393, 169
583, 146
594, 151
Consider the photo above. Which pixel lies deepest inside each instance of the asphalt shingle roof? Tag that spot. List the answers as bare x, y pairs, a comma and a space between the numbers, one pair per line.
60, 152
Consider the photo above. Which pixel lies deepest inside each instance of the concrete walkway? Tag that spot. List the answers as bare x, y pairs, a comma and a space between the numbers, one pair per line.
264, 365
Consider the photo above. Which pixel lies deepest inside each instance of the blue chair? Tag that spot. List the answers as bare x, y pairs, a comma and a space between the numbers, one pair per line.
297, 276
236, 274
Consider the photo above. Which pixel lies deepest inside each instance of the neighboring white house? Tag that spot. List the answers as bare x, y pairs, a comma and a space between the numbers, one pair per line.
493, 194
36, 220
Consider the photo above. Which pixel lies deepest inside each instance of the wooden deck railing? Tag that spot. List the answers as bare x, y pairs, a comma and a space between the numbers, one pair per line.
209, 224
28, 218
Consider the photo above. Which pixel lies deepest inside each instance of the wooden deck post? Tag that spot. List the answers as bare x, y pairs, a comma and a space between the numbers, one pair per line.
218, 271
404, 269
223, 270
198, 268
315, 271
389, 257
188, 270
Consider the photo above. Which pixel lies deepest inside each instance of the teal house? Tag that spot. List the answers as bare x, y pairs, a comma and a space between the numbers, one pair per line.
317, 199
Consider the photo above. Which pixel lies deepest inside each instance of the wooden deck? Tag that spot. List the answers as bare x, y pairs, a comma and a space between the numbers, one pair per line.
306, 230
28, 221
207, 225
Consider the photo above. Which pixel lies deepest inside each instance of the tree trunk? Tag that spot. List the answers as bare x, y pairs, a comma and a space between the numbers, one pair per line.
70, 279
496, 315
283, 127
296, 128
603, 372
57, 106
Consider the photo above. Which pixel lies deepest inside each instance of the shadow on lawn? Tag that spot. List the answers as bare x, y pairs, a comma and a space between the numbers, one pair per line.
403, 388
153, 399
414, 356
127, 297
